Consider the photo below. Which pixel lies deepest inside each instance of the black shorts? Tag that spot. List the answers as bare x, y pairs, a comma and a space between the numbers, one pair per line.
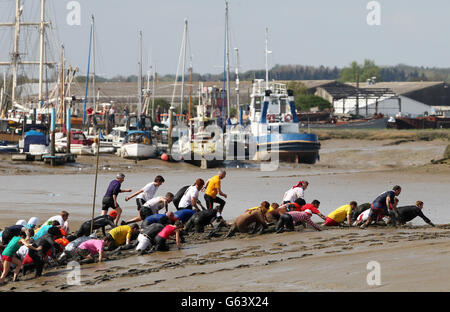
139, 202
145, 212
108, 202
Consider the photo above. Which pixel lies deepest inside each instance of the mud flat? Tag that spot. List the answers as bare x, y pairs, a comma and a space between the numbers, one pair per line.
412, 258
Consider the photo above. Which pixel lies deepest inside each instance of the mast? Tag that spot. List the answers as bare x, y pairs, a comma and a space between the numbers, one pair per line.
15, 60
227, 43
190, 88
41, 53
237, 78
140, 74
184, 63
62, 107
87, 77
267, 60
153, 92
94, 91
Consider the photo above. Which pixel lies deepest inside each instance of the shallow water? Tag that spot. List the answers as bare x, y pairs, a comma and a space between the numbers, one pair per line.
46, 195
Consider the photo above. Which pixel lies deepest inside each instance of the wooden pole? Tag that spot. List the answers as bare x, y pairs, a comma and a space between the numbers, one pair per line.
190, 92
95, 183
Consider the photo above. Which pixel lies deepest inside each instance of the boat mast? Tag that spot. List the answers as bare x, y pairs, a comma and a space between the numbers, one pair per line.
267, 60
15, 60
16, 55
227, 44
41, 53
94, 104
140, 74
87, 77
153, 92
184, 63
237, 78
190, 88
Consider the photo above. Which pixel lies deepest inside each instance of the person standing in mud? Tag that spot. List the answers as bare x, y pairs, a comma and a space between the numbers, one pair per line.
256, 216
147, 192
110, 198
382, 205
408, 213
212, 188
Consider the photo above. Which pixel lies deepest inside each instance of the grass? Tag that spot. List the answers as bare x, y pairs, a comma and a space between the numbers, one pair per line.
383, 134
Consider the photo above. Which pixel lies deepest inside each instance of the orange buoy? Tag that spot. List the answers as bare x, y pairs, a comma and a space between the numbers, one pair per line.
165, 157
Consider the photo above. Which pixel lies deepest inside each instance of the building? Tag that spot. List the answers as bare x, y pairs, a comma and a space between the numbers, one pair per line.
388, 98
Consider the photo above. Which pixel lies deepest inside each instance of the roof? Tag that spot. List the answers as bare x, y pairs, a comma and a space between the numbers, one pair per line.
400, 88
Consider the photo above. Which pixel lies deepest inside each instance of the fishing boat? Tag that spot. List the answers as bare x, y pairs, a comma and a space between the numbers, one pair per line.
137, 144
274, 123
79, 144
275, 127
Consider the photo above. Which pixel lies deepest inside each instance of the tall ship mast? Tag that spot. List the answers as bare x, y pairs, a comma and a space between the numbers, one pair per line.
20, 58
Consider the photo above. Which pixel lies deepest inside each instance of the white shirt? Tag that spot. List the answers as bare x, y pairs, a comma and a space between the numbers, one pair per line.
22, 252
148, 191
364, 216
155, 204
64, 224
293, 194
191, 192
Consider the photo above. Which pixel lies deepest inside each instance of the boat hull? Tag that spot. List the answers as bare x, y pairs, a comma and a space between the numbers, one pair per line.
293, 147
138, 151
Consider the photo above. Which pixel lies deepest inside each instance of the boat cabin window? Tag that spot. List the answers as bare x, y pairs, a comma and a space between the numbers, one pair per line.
137, 138
284, 107
78, 136
274, 106
257, 104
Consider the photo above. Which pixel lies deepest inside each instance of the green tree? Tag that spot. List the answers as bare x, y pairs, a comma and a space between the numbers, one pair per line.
363, 72
305, 101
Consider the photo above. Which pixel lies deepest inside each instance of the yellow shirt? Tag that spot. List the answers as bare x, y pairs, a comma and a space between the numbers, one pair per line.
120, 234
257, 207
341, 213
213, 186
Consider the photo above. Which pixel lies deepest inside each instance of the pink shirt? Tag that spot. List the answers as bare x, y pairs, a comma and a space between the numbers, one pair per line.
93, 245
167, 231
298, 216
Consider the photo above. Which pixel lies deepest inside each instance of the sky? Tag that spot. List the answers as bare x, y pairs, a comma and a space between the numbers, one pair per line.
319, 32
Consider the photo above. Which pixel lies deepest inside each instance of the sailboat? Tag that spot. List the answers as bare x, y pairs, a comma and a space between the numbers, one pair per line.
138, 142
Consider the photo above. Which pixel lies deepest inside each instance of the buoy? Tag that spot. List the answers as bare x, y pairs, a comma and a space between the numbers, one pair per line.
165, 157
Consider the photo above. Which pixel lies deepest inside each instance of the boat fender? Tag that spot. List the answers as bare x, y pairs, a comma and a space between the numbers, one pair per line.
271, 118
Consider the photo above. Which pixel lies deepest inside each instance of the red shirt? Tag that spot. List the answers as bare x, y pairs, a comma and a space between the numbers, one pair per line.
310, 207
167, 231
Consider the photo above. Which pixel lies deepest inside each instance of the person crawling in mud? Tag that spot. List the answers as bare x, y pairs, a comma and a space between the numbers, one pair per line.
359, 210
203, 218
121, 236
272, 214
166, 233
289, 219
380, 220
164, 219
146, 238
380, 206
408, 213
100, 222
89, 249
341, 214
257, 216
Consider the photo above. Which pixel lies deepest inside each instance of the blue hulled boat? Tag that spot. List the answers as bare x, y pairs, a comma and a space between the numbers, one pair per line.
275, 127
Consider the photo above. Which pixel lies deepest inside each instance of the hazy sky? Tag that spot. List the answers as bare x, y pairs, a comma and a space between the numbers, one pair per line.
319, 32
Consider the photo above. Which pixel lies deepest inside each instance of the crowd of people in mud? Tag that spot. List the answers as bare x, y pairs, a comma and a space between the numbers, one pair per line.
30, 245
